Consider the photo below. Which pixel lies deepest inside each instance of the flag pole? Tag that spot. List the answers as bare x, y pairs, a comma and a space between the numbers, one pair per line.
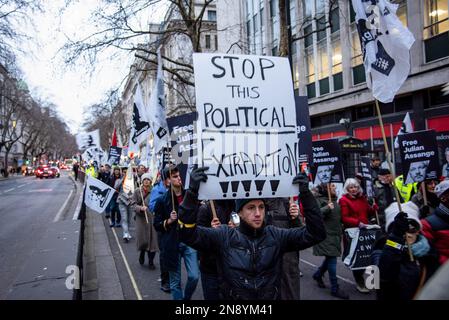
390, 165
214, 212
171, 186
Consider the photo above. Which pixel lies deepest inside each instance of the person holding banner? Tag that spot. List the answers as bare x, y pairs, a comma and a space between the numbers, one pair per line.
250, 255
384, 193
173, 250
430, 202
400, 278
208, 262
146, 237
445, 171
436, 226
355, 212
125, 199
330, 248
115, 182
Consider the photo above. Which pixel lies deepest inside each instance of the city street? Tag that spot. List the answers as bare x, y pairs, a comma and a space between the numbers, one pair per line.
30, 208
148, 285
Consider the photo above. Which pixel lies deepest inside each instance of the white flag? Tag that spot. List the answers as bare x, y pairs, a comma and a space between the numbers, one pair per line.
140, 127
385, 45
88, 140
128, 182
158, 119
97, 194
95, 154
406, 127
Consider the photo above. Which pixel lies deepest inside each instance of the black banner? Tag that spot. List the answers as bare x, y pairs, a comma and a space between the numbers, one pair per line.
114, 155
327, 166
183, 139
304, 130
367, 176
357, 253
419, 156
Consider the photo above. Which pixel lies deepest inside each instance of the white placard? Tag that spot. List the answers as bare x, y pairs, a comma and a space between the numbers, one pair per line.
246, 126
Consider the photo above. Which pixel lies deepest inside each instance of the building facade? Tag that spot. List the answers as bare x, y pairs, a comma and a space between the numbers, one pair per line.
327, 66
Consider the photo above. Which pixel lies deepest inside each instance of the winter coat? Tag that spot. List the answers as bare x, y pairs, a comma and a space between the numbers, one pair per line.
400, 278
158, 191
249, 260
432, 203
331, 246
385, 196
146, 236
355, 210
436, 229
224, 208
169, 236
277, 214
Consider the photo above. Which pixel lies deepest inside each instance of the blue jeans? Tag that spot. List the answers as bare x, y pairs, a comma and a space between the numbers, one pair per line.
209, 282
191, 264
329, 264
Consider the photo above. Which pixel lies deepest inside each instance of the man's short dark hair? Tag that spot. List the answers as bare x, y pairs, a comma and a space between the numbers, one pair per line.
172, 168
375, 158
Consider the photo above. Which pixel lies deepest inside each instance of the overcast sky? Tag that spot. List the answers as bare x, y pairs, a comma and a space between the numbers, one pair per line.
45, 74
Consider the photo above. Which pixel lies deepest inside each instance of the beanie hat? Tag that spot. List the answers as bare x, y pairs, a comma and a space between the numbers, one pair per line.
146, 176
240, 203
383, 171
409, 208
442, 188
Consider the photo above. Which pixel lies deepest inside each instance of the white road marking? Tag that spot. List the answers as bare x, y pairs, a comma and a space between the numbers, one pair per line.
9, 190
22, 185
78, 207
41, 190
339, 277
58, 215
133, 281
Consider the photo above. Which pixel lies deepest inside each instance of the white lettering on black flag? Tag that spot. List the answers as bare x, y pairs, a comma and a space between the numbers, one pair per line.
97, 195
88, 140
367, 176
419, 156
326, 162
246, 126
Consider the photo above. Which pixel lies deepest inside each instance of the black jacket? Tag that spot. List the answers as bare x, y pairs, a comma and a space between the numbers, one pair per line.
224, 208
169, 237
249, 260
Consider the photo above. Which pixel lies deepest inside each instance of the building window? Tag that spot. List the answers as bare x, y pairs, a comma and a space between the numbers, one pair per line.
307, 8
436, 18
308, 40
212, 15
436, 30
295, 72
273, 8
351, 12
310, 65
216, 42
335, 20
402, 11
323, 66
337, 67
207, 41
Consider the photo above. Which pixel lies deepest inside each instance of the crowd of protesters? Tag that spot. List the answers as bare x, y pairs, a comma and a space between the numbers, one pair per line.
249, 248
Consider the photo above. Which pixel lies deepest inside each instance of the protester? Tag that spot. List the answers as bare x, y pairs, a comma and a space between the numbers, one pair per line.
105, 176
400, 277
115, 182
158, 191
355, 212
283, 213
375, 167
406, 191
330, 248
432, 199
90, 170
166, 222
146, 237
125, 203
436, 226
384, 194
208, 261
249, 256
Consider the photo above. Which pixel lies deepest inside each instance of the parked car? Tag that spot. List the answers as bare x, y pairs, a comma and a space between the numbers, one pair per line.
44, 171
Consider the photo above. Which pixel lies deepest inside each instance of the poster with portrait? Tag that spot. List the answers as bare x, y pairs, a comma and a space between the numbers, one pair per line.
327, 165
419, 156
365, 163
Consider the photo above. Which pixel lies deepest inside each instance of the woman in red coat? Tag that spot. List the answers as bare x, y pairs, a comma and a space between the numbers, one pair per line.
355, 212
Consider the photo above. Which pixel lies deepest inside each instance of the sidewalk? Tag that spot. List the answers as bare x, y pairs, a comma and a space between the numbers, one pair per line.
100, 275
12, 177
